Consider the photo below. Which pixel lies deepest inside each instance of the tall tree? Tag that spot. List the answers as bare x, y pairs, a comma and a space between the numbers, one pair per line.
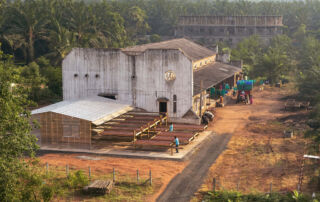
26, 19
16, 141
248, 50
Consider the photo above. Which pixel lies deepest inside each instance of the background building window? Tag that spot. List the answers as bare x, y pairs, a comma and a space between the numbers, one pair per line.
174, 103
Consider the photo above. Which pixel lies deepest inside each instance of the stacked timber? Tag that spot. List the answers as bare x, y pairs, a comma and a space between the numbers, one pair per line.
99, 187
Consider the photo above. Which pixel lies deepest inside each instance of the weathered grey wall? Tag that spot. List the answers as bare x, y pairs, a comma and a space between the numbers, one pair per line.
151, 84
138, 80
108, 72
229, 29
232, 20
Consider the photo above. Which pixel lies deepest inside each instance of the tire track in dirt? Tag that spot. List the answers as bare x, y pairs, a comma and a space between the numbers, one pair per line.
184, 185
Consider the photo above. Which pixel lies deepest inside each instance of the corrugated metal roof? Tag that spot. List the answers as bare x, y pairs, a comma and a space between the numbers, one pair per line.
94, 109
211, 75
192, 50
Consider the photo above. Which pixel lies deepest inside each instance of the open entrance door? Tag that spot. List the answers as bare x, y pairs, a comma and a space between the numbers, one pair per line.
162, 107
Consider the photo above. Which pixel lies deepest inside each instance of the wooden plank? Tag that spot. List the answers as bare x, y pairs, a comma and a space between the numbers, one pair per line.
99, 187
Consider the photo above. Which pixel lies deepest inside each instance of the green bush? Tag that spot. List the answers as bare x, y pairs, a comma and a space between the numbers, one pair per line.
155, 38
231, 196
77, 180
47, 193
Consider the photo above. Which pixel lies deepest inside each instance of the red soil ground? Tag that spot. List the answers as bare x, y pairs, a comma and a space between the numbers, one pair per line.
162, 171
257, 153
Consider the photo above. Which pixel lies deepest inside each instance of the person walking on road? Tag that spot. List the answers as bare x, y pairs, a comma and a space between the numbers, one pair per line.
176, 140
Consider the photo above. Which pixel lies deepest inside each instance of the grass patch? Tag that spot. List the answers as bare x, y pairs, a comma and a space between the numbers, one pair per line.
270, 127
70, 188
233, 196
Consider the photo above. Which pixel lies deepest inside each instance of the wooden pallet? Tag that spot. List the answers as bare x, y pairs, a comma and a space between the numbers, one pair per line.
99, 187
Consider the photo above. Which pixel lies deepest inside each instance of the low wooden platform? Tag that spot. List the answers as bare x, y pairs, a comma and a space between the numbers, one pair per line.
130, 126
182, 140
99, 187
292, 104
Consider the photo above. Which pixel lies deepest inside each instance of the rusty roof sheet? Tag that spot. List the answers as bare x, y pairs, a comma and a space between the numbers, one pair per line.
192, 50
211, 75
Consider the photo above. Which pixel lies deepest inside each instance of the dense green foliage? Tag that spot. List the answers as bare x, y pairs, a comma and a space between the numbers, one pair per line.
34, 28
38, 30
274, 197
15, 138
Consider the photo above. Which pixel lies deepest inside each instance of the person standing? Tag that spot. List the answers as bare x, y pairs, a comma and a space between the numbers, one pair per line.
171, 127
176, 140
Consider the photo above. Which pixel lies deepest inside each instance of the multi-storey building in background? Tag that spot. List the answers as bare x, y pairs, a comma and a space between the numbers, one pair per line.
229, 29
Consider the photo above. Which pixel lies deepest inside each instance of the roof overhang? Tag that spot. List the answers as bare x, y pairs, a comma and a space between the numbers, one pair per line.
211, 75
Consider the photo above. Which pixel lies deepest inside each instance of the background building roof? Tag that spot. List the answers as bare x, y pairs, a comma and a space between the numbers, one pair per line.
192, 50
211, 75
94, 109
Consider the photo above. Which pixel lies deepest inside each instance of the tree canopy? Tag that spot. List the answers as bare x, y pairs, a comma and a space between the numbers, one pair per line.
15, 138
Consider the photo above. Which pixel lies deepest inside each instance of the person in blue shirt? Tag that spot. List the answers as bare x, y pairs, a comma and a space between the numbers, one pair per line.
171, 127
176, 140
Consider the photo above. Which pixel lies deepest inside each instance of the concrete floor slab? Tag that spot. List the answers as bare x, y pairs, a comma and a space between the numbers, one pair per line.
184, 152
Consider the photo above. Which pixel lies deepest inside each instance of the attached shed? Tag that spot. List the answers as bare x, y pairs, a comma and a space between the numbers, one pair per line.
214, 74
70, 122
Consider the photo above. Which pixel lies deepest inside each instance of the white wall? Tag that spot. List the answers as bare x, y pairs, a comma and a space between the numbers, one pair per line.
111, 66
151, 84
115, 70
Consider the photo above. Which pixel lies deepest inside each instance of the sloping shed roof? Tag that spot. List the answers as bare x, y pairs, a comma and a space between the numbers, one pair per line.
211, 75
192, 50
94, 109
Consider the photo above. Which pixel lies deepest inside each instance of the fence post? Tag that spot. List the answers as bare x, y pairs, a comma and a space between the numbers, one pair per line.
150, 177
47, 168
138, 176
238, 185
214, 185
270, 187
67, 170
89, 173
114, 175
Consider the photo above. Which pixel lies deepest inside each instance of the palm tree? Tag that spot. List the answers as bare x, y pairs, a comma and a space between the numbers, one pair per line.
27, 20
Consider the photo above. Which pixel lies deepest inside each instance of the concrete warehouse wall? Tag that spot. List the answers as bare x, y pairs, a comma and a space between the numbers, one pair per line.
98, 71
151, 84
137, 80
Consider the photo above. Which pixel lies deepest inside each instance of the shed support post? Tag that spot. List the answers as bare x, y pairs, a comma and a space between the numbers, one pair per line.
201, 86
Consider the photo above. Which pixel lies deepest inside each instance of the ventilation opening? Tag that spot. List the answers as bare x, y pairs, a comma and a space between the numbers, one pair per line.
110, 96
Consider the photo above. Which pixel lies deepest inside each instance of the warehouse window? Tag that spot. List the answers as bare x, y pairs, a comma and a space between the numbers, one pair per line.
174, 103
71, 131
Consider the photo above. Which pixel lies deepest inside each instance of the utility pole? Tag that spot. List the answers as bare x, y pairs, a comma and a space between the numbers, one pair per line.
201, 86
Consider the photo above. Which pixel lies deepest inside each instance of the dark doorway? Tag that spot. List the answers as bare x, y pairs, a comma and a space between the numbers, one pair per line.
163, 107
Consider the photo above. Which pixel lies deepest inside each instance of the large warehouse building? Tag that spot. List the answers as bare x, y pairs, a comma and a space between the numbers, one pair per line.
170, 77
156, 77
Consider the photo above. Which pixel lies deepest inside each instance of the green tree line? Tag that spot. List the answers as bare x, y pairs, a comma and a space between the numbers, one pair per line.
42, 32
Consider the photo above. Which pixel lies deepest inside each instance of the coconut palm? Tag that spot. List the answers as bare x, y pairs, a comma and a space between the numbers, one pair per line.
26, 20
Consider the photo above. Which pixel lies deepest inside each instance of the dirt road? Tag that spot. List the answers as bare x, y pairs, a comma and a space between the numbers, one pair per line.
185, 184
256, 155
